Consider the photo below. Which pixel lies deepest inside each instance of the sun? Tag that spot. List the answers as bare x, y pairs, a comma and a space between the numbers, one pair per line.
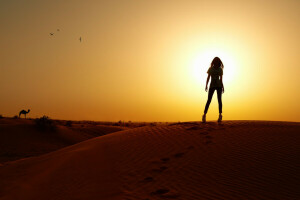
203, 60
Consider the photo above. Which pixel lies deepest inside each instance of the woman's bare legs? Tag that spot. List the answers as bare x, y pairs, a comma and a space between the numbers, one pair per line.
210, 95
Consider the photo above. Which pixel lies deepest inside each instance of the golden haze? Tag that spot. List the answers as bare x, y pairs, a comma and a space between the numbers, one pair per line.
147, 60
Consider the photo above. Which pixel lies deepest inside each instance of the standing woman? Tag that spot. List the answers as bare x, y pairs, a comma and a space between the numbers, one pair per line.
216, 73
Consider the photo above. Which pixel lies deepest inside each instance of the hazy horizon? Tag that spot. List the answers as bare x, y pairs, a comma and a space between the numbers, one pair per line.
147, 60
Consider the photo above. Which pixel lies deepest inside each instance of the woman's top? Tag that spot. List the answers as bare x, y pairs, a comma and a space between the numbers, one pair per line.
215, 73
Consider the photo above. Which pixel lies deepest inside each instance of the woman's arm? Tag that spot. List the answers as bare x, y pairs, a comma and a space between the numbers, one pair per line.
207, 80
221, 78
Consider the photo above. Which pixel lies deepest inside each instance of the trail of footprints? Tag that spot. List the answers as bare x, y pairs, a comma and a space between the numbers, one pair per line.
205, 131
164, 192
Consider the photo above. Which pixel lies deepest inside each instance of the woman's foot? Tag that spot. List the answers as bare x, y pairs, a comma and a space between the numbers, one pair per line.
204, 118
220, 117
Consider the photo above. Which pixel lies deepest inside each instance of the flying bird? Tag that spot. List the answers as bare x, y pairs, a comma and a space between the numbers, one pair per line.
51, 34
80, 39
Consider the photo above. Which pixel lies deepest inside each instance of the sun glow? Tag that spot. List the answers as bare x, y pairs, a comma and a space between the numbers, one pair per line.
147, 60
202, 62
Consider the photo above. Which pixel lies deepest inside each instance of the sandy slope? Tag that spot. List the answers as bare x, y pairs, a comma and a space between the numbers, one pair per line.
20, 138
233, 160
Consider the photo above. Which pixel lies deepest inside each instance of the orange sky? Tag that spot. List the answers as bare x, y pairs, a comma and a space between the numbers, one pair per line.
147, 60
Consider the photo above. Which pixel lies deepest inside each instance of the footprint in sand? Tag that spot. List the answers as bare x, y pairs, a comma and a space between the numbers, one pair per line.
166, 193
210, 129
148, 179
160, 192
161, 160
208, 141
178, 155
161, 169
208, 137
165, 159
203, 133
193, 128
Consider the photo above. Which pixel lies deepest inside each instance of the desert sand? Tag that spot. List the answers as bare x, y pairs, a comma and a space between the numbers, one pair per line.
192, 160
20, 138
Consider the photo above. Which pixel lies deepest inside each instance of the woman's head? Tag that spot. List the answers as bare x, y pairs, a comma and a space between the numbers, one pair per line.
216, 62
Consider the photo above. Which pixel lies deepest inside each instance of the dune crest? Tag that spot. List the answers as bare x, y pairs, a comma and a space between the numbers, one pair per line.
232, 160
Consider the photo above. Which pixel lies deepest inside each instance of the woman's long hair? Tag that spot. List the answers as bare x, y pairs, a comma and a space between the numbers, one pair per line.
216, 62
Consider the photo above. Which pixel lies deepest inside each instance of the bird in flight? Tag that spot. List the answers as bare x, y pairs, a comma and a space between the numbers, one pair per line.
80, 39
51, 34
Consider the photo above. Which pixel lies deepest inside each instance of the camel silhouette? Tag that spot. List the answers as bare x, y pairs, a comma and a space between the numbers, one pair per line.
24, 112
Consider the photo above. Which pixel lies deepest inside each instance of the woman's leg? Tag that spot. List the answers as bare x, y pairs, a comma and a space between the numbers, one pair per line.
210, 95
219, 93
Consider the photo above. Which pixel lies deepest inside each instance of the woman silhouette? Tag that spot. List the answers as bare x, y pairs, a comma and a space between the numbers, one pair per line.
215, 71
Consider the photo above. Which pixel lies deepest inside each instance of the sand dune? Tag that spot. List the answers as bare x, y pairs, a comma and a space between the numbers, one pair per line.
232, 160
20, 138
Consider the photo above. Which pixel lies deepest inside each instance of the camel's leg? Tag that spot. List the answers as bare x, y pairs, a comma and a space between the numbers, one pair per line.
25, 116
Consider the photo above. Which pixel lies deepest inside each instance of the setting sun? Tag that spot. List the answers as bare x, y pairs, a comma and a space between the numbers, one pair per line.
203, 60
148, 61
149, 99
